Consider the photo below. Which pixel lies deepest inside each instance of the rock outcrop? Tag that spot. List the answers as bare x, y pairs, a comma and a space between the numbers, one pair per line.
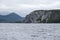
43, 16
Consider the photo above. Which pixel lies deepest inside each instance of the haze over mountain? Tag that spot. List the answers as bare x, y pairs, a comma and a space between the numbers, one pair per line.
21, 13
10, 18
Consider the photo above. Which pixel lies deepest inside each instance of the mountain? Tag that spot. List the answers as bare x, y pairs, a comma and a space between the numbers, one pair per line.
43, 16
10, 18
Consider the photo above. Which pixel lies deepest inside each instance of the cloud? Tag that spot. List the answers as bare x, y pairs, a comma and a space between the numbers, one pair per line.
26, 6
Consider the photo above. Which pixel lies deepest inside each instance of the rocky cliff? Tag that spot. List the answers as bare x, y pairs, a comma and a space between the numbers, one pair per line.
43, 16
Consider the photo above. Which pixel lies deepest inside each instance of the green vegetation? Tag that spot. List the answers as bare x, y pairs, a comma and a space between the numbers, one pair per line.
53, 20
38, 20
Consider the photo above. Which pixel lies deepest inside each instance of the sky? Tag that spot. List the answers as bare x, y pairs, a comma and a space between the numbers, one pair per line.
24, 7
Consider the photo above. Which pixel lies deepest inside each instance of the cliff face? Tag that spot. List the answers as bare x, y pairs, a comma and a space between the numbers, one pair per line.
43, 16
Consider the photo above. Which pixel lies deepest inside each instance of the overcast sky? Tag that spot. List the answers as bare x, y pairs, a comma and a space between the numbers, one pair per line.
24, 7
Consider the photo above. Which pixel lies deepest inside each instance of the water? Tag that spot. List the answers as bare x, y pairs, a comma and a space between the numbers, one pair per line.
15, 31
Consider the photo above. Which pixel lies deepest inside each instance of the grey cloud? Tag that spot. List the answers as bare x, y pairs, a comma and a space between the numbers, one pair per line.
25, 5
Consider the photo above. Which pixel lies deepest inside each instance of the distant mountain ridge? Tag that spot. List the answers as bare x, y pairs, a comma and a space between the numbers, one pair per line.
10, 18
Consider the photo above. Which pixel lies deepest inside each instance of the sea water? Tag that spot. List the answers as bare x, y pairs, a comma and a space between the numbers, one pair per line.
23, 31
